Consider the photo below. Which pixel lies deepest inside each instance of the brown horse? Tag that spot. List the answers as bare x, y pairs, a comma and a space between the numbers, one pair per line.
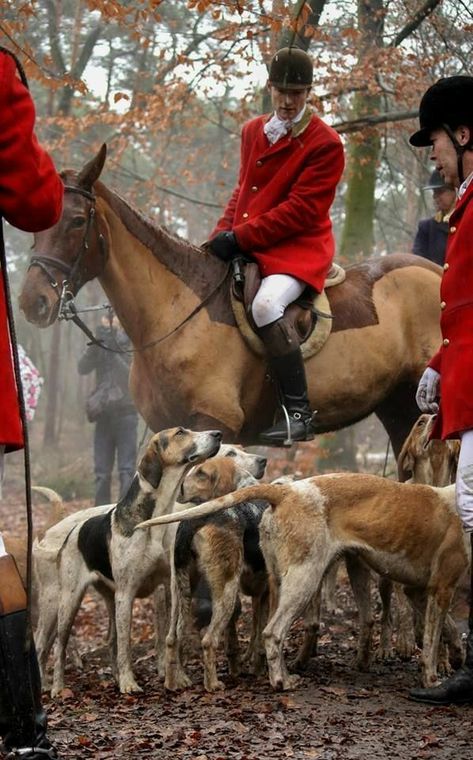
385, 327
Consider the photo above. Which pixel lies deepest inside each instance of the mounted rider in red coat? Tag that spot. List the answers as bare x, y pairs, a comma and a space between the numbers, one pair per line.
31, 194
446, 121
278, 214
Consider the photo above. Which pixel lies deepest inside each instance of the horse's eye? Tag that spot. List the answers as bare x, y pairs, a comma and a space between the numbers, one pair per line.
231, 453
78, 221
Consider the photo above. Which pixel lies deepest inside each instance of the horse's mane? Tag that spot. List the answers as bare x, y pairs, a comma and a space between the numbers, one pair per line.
143, 226
197, 269
186, 260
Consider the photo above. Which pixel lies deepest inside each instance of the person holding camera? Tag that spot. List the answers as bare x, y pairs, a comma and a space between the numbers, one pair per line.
111, 408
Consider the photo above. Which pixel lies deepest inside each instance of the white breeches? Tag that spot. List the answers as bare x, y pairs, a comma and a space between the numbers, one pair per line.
464, 481
275, 294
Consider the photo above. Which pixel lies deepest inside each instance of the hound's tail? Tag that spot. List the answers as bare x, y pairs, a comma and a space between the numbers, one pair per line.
58, 511
266, 491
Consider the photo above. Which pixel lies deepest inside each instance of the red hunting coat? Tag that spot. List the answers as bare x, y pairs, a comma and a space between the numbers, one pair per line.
279, 210
454, 360
31, 199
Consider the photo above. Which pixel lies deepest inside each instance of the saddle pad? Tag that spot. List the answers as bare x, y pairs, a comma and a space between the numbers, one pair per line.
309, 347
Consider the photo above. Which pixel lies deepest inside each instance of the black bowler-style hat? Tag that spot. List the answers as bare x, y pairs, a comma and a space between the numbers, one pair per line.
448, 103
291, 68
437, 182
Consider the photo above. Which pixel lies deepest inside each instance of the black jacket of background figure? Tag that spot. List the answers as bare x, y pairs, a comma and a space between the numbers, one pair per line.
111, 368
115, 432
431, 240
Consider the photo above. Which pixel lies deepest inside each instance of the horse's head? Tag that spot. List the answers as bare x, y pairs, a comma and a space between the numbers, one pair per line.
69, 254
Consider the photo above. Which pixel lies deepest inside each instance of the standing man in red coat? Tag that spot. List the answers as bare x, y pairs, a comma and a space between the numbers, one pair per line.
31, 194
446, 121
278, 214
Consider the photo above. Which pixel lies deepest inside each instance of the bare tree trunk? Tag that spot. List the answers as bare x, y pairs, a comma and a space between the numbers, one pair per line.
357, 237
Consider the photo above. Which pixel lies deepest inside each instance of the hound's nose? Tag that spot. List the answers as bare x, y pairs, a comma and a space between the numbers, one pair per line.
216, 434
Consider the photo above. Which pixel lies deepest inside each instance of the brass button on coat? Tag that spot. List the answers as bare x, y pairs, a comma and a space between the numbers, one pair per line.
254, 189
259, 163
446, 342
445, 267
453, 229
245, 215
443, 305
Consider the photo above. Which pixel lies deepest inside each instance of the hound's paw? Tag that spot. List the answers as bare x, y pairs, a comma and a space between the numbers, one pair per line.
129, 686
286, 683
177, 681
213, 684
383, 653
56, 690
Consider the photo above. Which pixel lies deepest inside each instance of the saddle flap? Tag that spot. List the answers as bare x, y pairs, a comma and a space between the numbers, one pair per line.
309, 317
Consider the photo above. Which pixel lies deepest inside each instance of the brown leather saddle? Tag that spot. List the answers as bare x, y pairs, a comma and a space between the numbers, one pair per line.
310, 315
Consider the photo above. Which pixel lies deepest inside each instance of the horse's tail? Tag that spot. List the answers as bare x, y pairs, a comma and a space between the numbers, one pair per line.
266, 491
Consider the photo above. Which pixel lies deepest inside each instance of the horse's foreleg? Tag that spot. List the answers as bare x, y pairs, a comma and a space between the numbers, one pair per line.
397, 413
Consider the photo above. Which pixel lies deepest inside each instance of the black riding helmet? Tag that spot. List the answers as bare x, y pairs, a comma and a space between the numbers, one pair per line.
291, 68
446, 105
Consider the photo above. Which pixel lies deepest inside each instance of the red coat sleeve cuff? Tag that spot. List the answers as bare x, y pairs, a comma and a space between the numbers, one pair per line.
435, 362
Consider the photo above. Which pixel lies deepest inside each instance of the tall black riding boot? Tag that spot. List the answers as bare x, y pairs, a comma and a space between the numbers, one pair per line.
287, 366
458, 689
22, 718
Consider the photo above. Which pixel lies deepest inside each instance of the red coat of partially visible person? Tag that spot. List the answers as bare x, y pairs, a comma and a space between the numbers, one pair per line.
454, 359
31, 193
278, 215
446, 125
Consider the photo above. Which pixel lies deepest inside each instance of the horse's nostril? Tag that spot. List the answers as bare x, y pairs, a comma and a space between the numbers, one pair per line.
42, 306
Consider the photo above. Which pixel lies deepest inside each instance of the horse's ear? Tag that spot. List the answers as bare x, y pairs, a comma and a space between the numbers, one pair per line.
93, 169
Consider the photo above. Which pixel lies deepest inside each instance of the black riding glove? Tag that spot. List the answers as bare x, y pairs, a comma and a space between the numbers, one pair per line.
225, 246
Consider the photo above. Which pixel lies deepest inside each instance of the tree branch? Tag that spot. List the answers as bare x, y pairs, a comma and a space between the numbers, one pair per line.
428, 7
345, 127
297, 36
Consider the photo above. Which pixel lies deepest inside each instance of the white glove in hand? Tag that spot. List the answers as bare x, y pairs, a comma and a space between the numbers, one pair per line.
428, 391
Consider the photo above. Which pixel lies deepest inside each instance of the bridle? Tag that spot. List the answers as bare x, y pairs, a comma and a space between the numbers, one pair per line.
71, 283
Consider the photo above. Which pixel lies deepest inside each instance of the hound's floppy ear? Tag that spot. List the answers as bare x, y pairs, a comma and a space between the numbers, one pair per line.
454, 449
405, 464
214, 479
151, 468
92, 170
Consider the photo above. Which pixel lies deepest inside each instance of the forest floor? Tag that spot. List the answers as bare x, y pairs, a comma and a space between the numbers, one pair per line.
337, 713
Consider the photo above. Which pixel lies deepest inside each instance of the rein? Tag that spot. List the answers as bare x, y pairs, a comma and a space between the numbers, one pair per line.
65, 292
